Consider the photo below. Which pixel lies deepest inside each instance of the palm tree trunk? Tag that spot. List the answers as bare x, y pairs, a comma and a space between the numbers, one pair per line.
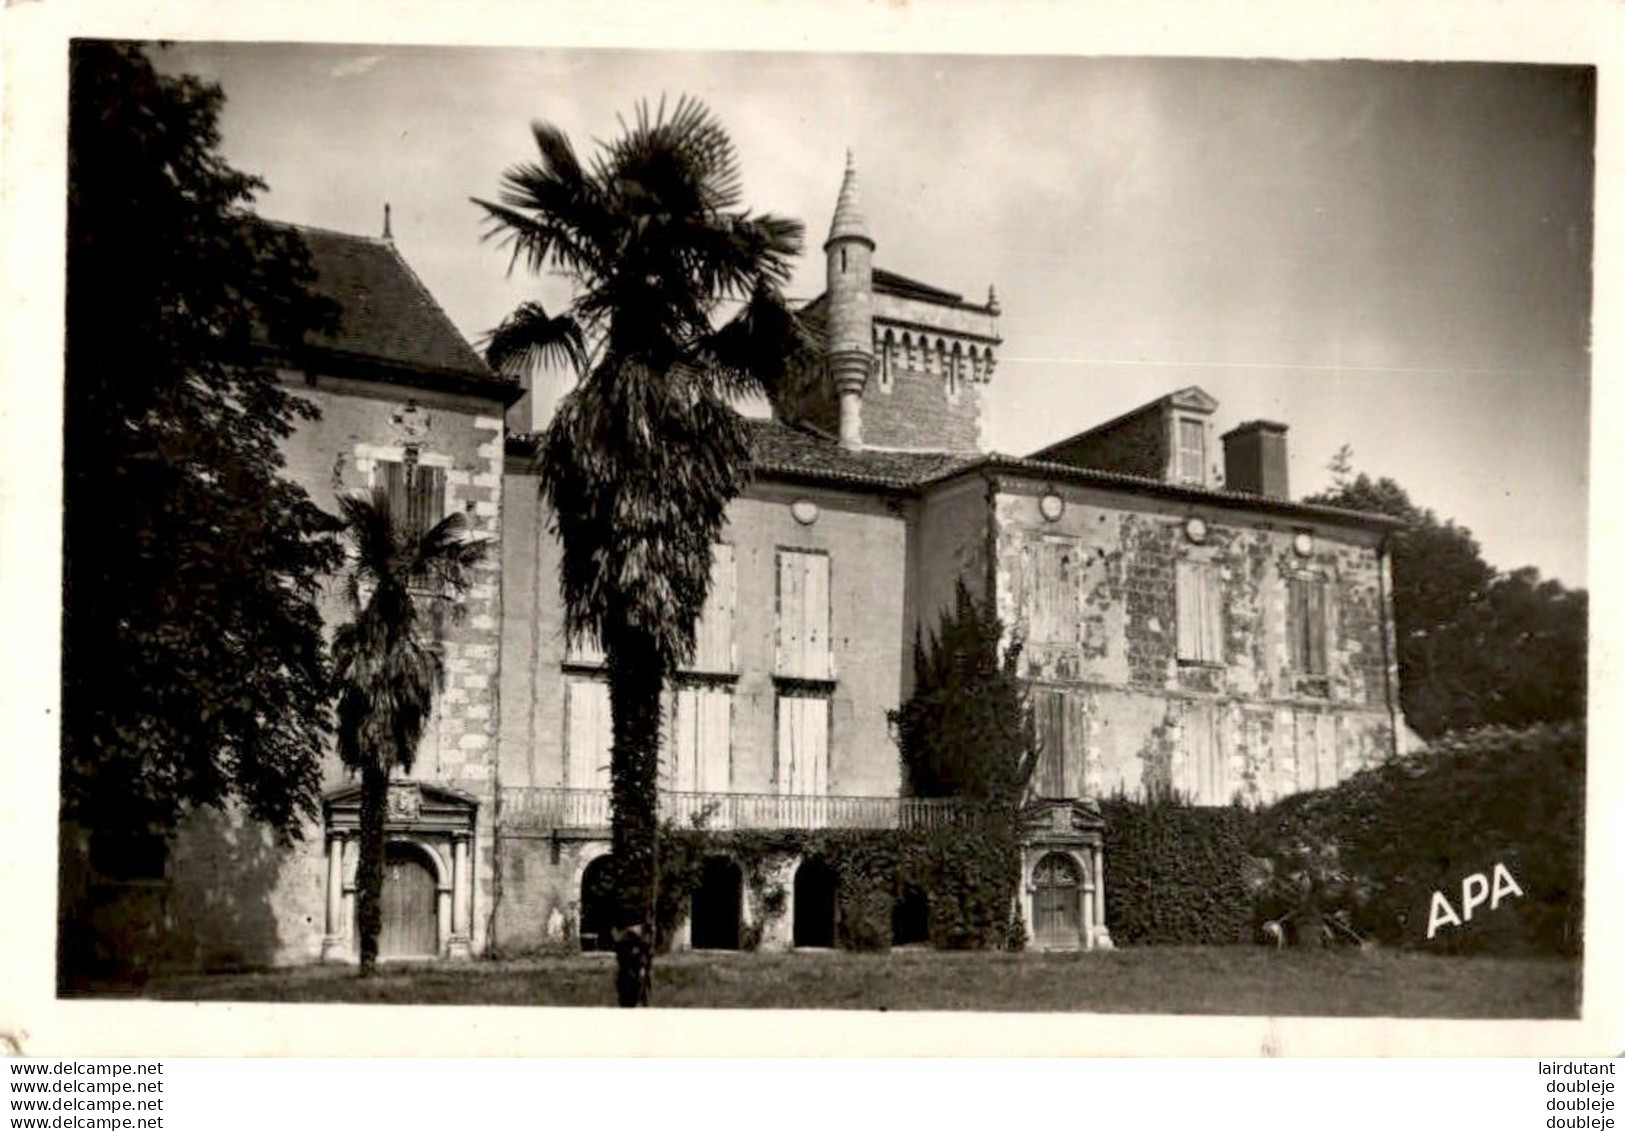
369, 876
635, 681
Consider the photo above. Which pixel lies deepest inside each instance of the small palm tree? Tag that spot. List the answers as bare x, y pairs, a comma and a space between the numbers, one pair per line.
402, 586
644, 454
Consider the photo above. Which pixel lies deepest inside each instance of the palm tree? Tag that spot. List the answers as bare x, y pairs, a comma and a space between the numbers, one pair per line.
402, 586
643, 455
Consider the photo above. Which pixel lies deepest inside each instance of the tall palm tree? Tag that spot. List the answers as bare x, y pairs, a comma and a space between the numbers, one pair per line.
402, 586
643, 455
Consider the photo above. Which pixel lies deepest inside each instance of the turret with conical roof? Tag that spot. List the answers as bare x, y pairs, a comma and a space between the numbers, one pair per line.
849, 254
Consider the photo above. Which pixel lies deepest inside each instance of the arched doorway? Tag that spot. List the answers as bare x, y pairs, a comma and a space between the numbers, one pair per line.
1057, 902
813, 922
911, 918
410, 928
714, 923
597, 904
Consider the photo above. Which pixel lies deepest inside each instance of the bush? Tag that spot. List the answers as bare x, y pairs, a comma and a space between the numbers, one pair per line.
1422, 823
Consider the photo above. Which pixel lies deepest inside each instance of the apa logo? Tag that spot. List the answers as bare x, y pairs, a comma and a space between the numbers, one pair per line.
1475, 889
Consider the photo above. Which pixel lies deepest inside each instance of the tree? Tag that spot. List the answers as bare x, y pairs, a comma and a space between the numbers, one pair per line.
193, 670
643, 455
966, 729
1476, 647
403, 584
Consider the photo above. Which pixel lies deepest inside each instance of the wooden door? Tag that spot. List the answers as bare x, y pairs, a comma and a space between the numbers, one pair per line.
410, 927
1057, 902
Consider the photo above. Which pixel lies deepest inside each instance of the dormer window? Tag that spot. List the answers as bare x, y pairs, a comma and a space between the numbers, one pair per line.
1190, 464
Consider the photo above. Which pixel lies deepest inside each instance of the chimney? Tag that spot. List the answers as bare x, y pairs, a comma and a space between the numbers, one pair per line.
1255, 459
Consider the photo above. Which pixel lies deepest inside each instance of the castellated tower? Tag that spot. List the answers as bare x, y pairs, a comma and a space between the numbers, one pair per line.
905, 364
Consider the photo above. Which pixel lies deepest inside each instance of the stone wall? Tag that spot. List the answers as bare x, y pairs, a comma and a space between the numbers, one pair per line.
1138, 713
233, 897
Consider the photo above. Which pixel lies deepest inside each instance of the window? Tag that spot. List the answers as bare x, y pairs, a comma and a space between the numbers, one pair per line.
1051, 778
701, 731
587, 734
1306, 624
1199, 602
803, 749
803, 649
1050, 590
1191, 458
415, 491
714, 632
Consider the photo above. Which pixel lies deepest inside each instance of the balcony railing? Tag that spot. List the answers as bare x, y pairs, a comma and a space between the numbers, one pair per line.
547, 809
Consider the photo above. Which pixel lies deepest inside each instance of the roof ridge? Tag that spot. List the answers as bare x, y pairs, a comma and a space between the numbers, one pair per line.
326, 231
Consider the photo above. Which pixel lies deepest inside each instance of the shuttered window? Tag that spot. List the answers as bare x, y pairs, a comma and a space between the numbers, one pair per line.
701, 740
1306, 624
714, 632
803, 749
1191, 463
1207, 777
417, 492
1050, 590
587, 734
803, 649
1051, 778
1200, 611
1316, 750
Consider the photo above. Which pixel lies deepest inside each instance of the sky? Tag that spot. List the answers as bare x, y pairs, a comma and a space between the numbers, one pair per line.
1392, 256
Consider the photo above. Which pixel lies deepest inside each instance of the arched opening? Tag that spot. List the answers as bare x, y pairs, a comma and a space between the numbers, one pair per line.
597, 904
814, 911
714, 922
1057, 902
410, 928
911, 918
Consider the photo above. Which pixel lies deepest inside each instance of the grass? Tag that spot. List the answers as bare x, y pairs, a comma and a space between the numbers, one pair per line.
1180, 980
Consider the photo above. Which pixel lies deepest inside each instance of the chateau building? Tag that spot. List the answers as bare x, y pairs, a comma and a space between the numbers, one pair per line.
1185, 626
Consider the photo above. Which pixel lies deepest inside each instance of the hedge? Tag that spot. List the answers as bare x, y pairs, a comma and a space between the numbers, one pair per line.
1177, 874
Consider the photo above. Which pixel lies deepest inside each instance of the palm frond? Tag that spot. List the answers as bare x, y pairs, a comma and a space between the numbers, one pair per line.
754, 351
531, 337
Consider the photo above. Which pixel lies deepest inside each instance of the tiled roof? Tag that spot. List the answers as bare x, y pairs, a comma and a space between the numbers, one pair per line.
785, 452
781, 450
387, 314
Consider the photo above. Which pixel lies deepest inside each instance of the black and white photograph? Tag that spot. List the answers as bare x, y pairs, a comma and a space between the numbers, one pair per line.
882, 532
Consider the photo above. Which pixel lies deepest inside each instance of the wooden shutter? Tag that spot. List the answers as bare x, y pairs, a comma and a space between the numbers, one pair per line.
803, 750
1204, 765
1197, 596
392, 477
1192, 452
701, 748
1051, 583
714, 634
1307, 624
428, 498
588, 734
803, 616
1049, 719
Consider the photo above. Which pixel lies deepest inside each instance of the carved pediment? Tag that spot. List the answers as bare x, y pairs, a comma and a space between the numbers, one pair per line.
417, 806
1062, 822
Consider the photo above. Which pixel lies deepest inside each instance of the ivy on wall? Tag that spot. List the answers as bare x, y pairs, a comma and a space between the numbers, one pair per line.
967, 871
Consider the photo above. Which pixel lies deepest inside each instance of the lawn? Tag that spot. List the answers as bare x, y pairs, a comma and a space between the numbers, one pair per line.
1189, 980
